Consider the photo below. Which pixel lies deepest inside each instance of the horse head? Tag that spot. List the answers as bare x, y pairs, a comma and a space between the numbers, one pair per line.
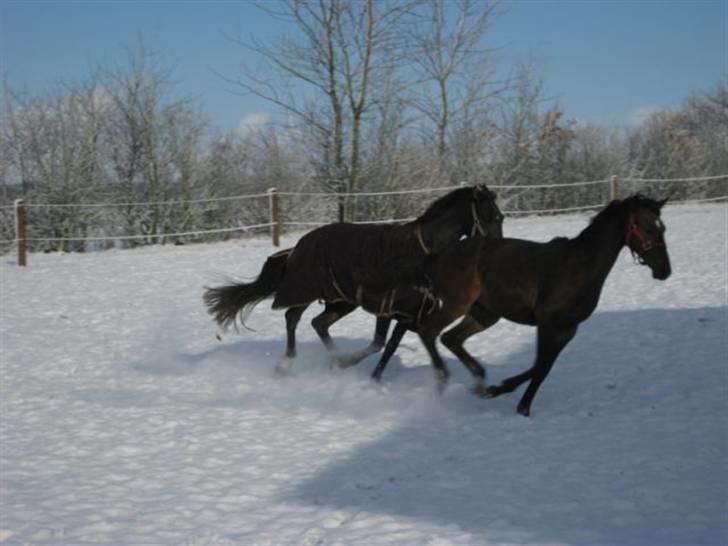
646, 235
466, 211
487, 219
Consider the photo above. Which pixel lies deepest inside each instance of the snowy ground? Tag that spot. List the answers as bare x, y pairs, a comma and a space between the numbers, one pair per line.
123, 420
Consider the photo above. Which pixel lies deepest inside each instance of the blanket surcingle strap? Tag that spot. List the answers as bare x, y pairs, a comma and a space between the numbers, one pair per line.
339, 290
421, 240
427, 296
405, 307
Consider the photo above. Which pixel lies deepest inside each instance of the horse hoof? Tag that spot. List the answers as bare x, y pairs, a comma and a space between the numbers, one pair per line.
283, 367
526, 412
489, 392
344, 363
481, 390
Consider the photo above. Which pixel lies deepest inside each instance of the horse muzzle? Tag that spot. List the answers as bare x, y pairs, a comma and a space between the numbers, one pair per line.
661, 273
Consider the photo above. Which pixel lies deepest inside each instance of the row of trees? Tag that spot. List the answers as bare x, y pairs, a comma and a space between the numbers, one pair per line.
371, 96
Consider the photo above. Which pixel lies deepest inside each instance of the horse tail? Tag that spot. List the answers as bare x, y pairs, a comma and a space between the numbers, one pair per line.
226, 302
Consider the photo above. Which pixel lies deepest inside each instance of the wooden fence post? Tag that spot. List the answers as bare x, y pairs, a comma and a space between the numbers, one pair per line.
20, 231
275, 228
613, 187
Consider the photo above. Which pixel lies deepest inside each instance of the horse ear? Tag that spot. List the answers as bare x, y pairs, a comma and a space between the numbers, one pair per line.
662, 202
482, 191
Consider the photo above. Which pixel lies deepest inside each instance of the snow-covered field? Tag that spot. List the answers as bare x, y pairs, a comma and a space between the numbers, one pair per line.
123, 420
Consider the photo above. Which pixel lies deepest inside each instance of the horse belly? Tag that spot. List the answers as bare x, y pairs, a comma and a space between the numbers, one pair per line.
524, 315
514, 304
404, 305
568, 307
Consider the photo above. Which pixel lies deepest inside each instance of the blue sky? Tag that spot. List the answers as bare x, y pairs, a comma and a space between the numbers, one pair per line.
603, 60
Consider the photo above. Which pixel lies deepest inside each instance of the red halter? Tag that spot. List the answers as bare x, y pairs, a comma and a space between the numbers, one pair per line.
634, 233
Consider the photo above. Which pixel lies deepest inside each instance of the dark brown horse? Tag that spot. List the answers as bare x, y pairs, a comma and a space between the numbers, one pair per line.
342, 263
442, 291
554, 286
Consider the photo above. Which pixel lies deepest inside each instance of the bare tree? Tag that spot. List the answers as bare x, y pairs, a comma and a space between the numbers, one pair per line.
153, 142
518, 126
455, 70
688, 141
53, 143
325, 73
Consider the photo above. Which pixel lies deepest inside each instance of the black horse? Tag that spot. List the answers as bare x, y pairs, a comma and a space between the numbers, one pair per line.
343, 264
554, 286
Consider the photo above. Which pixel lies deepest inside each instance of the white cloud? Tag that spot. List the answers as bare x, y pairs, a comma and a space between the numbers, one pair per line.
639, 115
250, 123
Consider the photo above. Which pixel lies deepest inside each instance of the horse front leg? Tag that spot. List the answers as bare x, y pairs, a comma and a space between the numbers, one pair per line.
458, 288
508, 385
321, 323
428, 333
551, 342
380, 336
474, 322
392, 344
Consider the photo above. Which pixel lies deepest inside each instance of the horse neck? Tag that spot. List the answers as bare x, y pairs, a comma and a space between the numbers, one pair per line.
602, 242
442, 232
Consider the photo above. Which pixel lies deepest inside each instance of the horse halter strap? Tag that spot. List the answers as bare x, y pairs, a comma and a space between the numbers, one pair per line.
477, 224
421, 240
634, 233
477, 228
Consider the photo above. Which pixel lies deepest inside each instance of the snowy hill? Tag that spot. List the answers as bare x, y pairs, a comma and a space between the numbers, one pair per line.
124, 420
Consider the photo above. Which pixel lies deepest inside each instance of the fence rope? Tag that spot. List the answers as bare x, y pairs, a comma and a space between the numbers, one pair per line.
366, 194
385, 221
706, 200
693, 179
314, 224
148, 236
359, 194
567, 209
442, 188
147, 203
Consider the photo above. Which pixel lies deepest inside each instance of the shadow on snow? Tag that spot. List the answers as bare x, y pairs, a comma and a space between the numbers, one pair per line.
626, 443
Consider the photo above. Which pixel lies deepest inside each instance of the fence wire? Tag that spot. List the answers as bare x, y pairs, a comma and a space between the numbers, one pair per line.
297, 206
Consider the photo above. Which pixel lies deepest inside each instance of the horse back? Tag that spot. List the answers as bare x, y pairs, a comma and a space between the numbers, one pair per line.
332, 263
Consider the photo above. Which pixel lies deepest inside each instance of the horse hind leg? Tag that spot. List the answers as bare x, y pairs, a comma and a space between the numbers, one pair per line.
380, 337
321, 323
293, 316
428, 333
399, 330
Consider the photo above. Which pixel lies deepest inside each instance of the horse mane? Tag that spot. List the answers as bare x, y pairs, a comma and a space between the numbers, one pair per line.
436, 209
639, 201
629, 204
619, 208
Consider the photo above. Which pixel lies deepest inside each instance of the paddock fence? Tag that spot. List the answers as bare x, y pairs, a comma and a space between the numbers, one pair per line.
28, 226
